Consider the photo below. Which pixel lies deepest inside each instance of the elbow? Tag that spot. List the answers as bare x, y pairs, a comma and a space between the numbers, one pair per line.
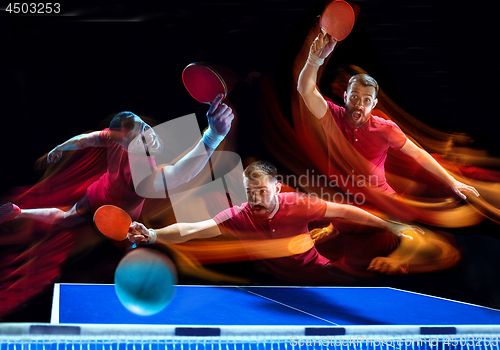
305, 84
79, 144
343, 212
179, 180
420, 157
188, 177
306, 90
301, 84
173, 179
302, 92
185, 232
301, 88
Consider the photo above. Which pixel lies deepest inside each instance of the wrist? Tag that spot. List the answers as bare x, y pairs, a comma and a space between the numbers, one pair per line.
211, 138
314, 60
392, 228
152, 236
387, 226
451, 181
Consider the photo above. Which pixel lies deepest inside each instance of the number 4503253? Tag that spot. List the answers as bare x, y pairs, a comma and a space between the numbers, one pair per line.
34, 8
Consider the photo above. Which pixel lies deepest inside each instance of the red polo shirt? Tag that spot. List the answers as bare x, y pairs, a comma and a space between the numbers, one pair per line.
116, 186
372, 140
295, 212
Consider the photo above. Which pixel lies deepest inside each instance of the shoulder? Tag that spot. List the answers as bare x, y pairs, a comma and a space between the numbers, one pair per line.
333, 113
384, 125
290, 197
105, 137
376, 120
299, 206
234, 213
389, 130
298, 198
333, 107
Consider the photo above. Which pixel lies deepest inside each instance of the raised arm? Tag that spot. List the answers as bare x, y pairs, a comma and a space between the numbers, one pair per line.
173, 234
355, 214
426, 161
322, 46
219, 122
74, 143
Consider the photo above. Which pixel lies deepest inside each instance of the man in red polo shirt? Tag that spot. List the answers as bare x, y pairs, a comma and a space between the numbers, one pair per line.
367, 135
270, 215
126, 135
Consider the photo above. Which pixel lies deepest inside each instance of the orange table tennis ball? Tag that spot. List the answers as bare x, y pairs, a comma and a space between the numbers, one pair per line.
145, 281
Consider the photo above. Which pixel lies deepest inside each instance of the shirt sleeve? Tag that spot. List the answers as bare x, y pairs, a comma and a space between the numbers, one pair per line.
227, 221
316, 208
222, 217
397, 137
332, 114
313, 207
105, 138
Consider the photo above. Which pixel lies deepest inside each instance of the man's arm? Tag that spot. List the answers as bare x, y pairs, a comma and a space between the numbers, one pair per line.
355, 214
73, 144
173, 234
322, 46
430, 164
417, 252
424, 253
219, 117
184, 169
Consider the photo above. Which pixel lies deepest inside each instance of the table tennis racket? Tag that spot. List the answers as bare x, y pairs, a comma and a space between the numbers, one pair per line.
203, 82
338, 19
113, 222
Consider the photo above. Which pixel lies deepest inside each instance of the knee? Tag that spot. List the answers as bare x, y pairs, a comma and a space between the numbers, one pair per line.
58, 215
71, 218
64, 218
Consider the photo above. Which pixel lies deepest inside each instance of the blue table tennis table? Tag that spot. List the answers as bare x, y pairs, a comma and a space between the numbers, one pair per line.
266, 318
271, 306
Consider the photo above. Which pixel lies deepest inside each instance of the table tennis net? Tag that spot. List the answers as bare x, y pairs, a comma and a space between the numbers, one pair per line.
91, 344
140, 337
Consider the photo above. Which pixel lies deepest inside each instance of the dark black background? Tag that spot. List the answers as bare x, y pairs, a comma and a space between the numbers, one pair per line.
62, 75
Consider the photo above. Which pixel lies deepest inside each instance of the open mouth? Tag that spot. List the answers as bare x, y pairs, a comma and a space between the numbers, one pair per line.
258, 208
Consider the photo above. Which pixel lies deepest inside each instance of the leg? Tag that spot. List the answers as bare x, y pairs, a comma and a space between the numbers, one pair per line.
80, 213
56, 216
10, 211
13, 233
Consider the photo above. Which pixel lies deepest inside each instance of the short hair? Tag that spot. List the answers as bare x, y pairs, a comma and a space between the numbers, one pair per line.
365, 80
123, 120
259, 169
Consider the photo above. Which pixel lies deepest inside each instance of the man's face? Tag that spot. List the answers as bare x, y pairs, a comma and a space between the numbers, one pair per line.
359, 102
141, 138
261, 195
